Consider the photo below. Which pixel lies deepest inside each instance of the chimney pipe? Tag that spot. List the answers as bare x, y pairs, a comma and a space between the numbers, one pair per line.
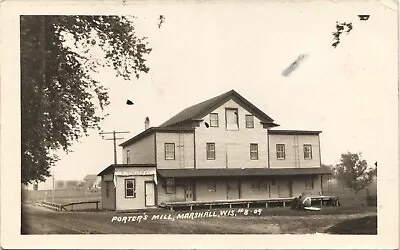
146, 123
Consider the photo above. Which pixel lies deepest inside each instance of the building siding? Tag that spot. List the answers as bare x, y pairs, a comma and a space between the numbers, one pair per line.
141, 152
294, 154
232, 147
299, 186
179, 194
184, 150
248, 193
123, 203
108, 202
202, 193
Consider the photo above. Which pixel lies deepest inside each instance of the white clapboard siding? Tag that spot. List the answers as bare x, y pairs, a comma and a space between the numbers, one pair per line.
184, 150
140, 152
293, 143
232, 147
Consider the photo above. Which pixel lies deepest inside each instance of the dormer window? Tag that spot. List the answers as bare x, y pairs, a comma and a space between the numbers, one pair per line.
231, 118
214, 119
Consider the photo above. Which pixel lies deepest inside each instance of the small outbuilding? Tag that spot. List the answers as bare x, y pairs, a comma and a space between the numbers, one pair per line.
128, 186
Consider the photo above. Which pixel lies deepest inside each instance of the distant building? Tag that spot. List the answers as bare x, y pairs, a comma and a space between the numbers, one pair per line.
222, 149
92, 182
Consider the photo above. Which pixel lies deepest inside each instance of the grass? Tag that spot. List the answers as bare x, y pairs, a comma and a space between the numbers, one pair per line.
364, 225
61, 196
270, 221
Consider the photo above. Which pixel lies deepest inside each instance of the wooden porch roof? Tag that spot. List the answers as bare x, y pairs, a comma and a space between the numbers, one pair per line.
227, 172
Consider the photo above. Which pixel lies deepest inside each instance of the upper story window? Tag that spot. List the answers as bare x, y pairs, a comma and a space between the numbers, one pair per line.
130, 188
128, 152
253, 151
169, 151
232, 119
210, 151
307, 151
309, 183
214, 120
280, 151
249, 121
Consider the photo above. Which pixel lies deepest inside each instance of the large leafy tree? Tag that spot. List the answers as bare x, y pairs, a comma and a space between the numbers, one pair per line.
60, 98
354, 172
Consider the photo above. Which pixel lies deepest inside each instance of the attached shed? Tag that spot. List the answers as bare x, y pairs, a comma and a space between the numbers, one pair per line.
128, 186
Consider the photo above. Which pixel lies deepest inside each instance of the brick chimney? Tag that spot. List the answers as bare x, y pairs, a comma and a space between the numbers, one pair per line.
146, 123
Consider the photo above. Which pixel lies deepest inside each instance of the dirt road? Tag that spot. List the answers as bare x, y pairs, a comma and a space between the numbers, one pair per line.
38, 220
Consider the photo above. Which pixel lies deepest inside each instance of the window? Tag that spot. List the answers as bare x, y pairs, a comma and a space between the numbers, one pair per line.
130, 188
231, 118
214, 120
253, 151
249, 121
170, 151
212, 186
280, 151
127, 156
309, 182
170, 185
259, 185
210, 151
307, 151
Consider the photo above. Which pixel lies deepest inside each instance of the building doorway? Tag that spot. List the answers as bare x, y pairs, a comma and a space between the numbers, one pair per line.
189, 191
285, 188
150, 197
232, 188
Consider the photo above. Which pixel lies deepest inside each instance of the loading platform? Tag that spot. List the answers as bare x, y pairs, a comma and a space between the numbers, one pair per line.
321, 200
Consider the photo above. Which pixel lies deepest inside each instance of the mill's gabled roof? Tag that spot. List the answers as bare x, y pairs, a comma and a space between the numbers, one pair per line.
199, 110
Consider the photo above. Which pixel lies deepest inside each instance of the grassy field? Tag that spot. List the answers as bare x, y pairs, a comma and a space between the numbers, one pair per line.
63, 196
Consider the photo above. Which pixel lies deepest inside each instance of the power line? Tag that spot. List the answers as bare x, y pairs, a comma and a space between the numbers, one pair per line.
114, 138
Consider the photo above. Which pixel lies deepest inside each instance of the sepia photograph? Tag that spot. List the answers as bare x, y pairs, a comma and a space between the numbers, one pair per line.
203, 118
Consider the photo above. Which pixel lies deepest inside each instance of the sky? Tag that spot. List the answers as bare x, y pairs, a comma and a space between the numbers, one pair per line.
205, 49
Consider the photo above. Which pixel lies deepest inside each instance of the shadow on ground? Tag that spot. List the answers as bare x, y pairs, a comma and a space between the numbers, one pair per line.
364, 225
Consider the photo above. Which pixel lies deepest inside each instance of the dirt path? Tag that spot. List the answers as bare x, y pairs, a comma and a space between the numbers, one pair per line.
37, 220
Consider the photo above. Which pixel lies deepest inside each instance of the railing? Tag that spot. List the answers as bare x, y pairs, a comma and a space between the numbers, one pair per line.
82, 202
61, 207
55, 206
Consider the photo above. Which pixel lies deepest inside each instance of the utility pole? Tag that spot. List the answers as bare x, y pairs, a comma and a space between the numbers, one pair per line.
114, 138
